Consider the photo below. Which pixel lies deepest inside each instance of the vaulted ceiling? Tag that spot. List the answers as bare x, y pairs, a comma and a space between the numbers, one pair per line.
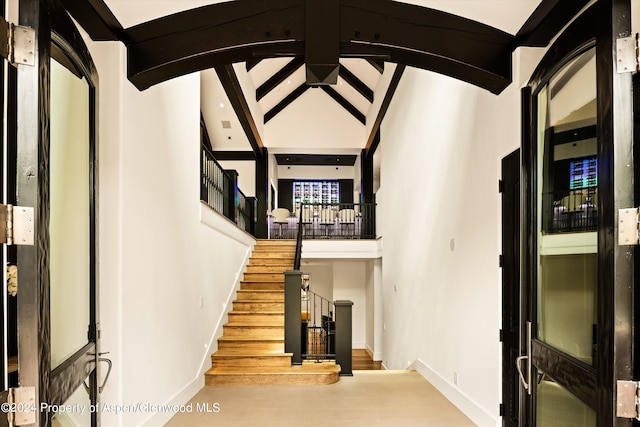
310, 76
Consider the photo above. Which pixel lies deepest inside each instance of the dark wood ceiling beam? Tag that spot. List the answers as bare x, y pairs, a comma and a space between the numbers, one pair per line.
322, 41
356, 83
316, 159
344, 103
547, 20
374, 139
232, 87
286, 102
378, 65
251, 63
95, 17
279, 77
228, 32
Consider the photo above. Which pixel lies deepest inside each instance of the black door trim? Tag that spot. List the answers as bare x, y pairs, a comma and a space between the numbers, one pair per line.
614, 359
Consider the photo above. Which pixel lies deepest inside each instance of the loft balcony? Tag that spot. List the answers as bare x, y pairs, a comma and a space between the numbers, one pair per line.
315, 221
570, 211
334, 221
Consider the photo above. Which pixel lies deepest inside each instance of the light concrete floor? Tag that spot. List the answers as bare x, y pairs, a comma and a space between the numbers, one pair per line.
369, 398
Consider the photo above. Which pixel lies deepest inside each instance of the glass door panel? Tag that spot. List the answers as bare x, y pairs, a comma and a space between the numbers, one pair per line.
568, 209
557, 407
70, 229
79, 411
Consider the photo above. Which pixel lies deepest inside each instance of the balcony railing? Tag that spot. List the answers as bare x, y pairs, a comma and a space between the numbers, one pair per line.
324, 221
570, 211
219, 189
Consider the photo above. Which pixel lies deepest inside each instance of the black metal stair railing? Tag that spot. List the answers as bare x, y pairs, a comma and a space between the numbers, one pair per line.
219, 189
316, 329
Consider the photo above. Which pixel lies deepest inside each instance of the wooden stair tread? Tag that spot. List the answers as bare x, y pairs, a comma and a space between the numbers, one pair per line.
311, 368
262, 313
251, 338
271, 324
240, 352
259, 291
251, 349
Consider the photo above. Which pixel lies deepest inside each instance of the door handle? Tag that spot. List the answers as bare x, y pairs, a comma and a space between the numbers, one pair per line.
106, 377
526, 382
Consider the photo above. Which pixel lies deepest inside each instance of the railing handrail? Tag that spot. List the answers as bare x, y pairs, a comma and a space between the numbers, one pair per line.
298, 256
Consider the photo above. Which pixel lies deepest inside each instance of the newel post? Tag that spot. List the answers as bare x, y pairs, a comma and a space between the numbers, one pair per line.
344, 336
292, 337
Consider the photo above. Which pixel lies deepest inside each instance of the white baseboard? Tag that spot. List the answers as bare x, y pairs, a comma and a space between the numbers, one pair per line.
179, 399
471, 409
376, 356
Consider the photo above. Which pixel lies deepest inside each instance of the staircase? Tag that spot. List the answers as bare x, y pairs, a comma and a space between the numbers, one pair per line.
251, 349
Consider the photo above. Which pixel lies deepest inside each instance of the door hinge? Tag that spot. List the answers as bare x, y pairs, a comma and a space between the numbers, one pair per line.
502, 409
21, 409
628, 227
500, 261
16, 225
627, 399
501, 335
627, 53
500, 186
17, 43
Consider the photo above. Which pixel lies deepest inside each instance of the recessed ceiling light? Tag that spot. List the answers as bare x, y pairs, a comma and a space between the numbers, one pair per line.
289, 81
221, 105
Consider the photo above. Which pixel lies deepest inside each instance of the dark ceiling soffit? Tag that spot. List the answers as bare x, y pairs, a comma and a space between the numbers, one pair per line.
95, 17
373, 141
344, 103
234, 155
232, 87
231, 32
279, 77
547, 20
285, 102
356, 83
316, 159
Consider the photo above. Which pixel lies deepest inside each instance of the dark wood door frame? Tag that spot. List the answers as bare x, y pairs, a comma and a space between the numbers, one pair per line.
615, 357
32, 189
510, 262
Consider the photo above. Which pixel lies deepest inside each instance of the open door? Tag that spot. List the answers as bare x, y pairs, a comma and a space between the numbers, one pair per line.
510, 261
51, 169
577, 323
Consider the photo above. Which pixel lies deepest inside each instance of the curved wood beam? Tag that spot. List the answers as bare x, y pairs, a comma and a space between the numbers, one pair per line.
237, 31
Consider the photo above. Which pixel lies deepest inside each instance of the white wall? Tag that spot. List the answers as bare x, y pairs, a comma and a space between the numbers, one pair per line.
344, 280
349, 284
246, 174
166, 270
441, 145
321, 278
